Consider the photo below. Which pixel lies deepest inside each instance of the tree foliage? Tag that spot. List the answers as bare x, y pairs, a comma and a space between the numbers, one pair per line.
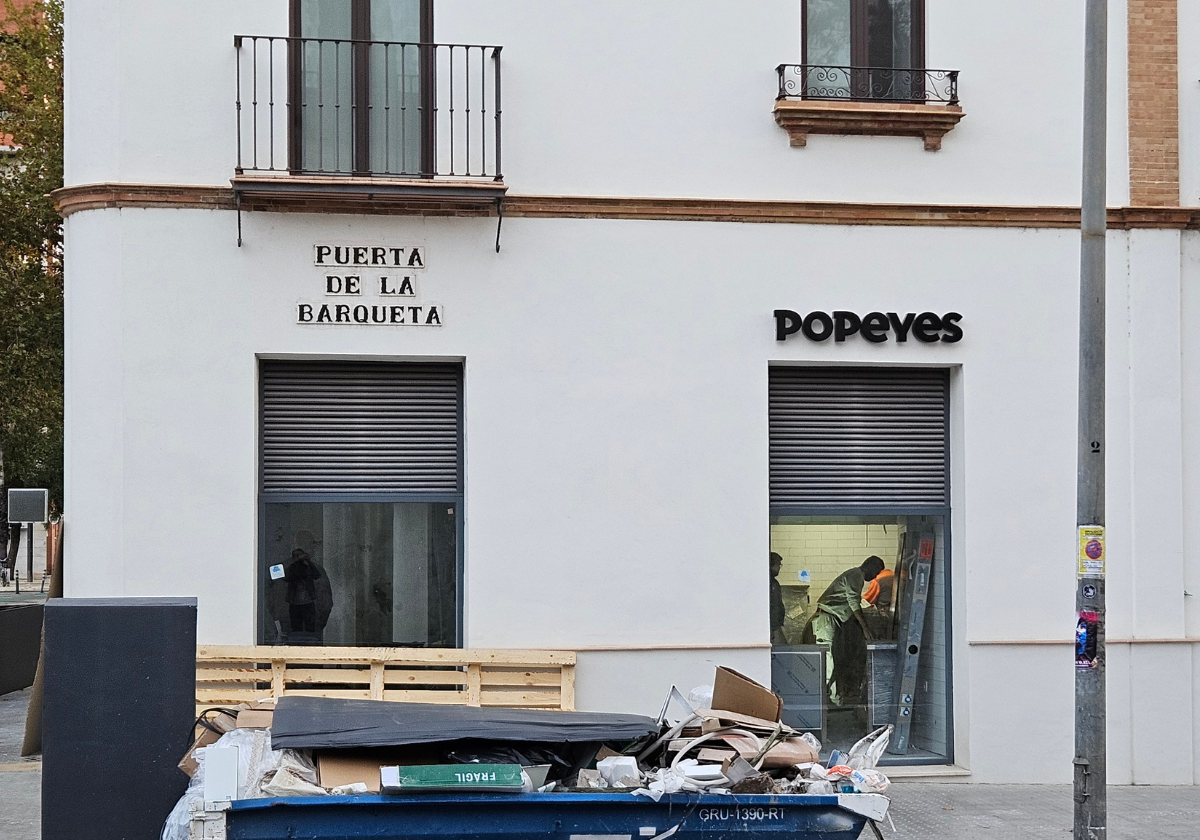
31, 267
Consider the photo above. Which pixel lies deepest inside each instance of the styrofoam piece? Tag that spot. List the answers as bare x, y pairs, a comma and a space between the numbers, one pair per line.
873, 806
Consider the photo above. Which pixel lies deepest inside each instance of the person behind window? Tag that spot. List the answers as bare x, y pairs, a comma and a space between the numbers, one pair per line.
778, 613
309, 599
880, 591
839, 603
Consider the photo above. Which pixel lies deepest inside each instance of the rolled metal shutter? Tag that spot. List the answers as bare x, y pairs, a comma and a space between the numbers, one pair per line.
847, 438
360, 427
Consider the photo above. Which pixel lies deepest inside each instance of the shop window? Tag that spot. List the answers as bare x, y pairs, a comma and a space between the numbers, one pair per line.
859, 556
360, 102
360, 506
361, 573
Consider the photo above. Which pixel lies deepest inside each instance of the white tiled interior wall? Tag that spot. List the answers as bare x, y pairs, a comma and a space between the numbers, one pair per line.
826, 550
833, 544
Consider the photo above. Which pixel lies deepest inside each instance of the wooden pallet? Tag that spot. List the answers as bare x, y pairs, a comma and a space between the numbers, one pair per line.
535, 679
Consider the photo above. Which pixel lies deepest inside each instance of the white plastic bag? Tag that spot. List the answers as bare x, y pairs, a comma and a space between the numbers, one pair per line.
701, 697
812, 741
820, 788
664, 781
869, 781
865, 754
258, 766
177, 826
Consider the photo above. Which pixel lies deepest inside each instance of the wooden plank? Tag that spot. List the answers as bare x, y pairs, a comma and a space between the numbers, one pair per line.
339, 693
526, 678
397, 677
278, 669
365, 655
567, 689
232, 675
350, 676
541, 699
473, 685
376, 680
454, 698
229, 696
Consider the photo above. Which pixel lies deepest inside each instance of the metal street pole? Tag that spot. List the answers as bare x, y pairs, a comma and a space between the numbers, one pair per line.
1091, 800
29, 555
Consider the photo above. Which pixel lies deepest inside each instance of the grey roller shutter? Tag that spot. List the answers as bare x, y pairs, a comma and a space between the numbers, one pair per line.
360, 427
845, 438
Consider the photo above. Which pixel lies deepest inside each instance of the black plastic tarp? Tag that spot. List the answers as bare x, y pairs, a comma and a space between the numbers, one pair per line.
321, 722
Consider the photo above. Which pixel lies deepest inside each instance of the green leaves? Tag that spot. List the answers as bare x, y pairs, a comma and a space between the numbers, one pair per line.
31, 279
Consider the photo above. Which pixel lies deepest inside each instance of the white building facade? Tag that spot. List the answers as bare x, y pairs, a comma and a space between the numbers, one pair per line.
489, 335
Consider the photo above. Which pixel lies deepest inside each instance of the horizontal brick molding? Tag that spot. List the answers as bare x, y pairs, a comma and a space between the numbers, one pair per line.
801, 118
1154, 102
99, 196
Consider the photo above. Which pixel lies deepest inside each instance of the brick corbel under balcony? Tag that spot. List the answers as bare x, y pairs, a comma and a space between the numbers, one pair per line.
801, 118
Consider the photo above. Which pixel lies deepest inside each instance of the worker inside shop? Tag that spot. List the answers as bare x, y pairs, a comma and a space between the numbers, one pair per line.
840, 626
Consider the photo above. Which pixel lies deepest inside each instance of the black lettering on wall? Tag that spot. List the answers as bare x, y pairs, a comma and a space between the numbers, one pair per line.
953, 331
787, 323
927, 328
875, 327
845, 324
901, 328
814, 320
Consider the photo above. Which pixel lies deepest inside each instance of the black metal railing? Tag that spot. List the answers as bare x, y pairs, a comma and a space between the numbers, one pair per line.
368, 108
867, 84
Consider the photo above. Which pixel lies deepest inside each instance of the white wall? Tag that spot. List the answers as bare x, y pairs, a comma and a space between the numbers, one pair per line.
625, 98
1189, 104
615, 394
615, 371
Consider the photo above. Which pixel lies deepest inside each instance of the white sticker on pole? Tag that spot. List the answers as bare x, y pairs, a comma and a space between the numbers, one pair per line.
1091, 551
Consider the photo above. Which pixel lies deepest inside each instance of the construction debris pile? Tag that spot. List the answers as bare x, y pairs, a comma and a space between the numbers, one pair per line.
724, 739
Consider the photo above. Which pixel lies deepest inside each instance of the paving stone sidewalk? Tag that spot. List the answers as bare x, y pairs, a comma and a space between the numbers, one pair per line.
924, 811
920, 811
20, 778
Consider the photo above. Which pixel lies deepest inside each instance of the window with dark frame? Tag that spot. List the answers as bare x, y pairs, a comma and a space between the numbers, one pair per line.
360, 503
859, 598
864, 49
361, 88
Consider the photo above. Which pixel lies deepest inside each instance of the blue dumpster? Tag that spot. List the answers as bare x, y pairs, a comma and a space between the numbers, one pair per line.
548, 816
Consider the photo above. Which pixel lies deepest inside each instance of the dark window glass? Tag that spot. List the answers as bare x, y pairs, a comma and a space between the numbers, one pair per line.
865, 49
360, 574
359, 79
360, 503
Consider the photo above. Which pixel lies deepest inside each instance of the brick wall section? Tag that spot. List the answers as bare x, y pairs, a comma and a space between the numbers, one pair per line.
1154, 103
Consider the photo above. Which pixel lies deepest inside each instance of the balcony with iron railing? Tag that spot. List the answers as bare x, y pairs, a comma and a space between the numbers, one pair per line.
829, 99
337, 124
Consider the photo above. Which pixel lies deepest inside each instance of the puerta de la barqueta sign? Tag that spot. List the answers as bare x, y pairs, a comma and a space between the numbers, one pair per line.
875, 327
369, 284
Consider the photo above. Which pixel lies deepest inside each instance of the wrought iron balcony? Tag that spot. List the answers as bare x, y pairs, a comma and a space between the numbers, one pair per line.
868, 84
348, 110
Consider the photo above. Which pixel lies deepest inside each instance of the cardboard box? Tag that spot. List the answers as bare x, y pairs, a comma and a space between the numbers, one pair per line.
221, 721
734, 692
345, 767
255, 718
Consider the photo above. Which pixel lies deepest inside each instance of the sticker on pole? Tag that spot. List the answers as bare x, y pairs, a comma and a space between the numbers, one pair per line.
1091, 551
1087, 640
